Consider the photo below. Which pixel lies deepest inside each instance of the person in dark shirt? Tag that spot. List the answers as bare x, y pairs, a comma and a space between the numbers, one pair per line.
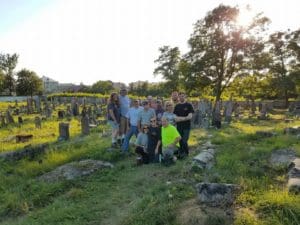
184, 112
154, 140
113, 117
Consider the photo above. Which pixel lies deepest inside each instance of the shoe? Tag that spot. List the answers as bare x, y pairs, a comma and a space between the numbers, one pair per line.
114, 145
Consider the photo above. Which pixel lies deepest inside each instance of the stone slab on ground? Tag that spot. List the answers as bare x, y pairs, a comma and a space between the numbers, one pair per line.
73, 170
28, 151
215, 194
294, 177
282, 157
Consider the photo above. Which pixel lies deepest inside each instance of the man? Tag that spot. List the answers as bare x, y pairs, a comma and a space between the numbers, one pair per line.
174, 97
170, 138
145, 115
184, 112
132, 123
124, 107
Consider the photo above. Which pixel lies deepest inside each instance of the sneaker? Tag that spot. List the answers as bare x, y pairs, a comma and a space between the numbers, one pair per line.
114, 145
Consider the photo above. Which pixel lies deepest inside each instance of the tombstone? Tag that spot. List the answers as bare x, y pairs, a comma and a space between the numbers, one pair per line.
48, 111
16, 103
89, 111
20, 120
9, 118
202, 112
85, 128
23, 137
237, 110
228, 111
61, 114
2, 120
38, 122
75, 109
68, 112
29, 105
263, 112
38, 104
64, 131
253, 107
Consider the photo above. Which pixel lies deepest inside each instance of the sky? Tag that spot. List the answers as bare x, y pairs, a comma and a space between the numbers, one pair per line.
83, 41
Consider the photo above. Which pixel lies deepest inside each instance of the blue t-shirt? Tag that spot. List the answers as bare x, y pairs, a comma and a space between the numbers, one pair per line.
124, 104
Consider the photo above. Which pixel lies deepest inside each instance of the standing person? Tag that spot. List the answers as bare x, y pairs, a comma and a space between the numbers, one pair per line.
169, 113
154, 140
184, 112
113, 117
142, 144
170, 138
159, 111
132, 123
145, 115
175, 97
124, 107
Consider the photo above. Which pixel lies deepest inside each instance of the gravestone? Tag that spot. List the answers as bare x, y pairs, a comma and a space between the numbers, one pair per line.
2, 120
38, 104
61, 114
48, 111
29, 106
263, 112
253, 107
68, 112
20, 120
9, 118
23, 137
85, 128
38, 122
64, 131
228, 111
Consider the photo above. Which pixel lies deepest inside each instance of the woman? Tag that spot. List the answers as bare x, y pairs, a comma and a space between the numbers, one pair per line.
113, 117
142, 145
168, 114
154, 140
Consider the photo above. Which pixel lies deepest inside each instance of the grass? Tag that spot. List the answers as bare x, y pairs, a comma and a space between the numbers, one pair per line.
150, 194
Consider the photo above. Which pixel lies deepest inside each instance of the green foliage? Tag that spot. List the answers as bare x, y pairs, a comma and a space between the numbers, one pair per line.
28, 83
102, 87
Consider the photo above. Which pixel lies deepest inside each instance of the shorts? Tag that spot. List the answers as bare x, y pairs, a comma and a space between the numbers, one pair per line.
123, 125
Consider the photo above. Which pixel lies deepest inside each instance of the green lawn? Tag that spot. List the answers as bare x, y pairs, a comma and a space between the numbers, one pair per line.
152, 194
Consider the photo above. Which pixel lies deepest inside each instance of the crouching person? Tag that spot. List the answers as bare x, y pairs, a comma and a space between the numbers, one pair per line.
141, 146
170, 141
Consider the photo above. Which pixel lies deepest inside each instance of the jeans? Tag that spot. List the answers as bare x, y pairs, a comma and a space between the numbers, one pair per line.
133, 130
185, 134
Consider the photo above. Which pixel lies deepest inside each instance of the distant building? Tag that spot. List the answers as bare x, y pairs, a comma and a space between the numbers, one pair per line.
50, 85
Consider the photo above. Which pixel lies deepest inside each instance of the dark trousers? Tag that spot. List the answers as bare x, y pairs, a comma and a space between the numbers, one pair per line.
145, 156
185, 134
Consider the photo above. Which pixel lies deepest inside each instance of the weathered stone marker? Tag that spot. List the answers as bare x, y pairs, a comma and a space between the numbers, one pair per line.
64, 131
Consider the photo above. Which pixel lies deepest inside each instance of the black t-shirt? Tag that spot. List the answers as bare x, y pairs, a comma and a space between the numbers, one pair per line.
182, 110
154, 135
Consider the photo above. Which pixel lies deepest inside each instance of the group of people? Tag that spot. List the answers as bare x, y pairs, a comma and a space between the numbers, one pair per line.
162, 128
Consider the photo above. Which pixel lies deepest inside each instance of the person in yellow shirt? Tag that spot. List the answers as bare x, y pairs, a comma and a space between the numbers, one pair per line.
170, 138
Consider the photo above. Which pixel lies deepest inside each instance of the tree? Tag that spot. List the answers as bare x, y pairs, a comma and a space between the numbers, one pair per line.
2, 78
28, 83
102, 87
8, 63
283, 60
168, 63
221, 50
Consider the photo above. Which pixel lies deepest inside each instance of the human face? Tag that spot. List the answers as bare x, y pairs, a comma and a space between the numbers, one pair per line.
164, 122
153, 122
145, 129
182, 97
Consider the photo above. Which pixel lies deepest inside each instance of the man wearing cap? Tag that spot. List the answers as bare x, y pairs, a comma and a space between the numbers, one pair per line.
124, 107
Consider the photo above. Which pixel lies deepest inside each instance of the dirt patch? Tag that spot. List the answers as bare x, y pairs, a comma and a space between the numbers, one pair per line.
192, 213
